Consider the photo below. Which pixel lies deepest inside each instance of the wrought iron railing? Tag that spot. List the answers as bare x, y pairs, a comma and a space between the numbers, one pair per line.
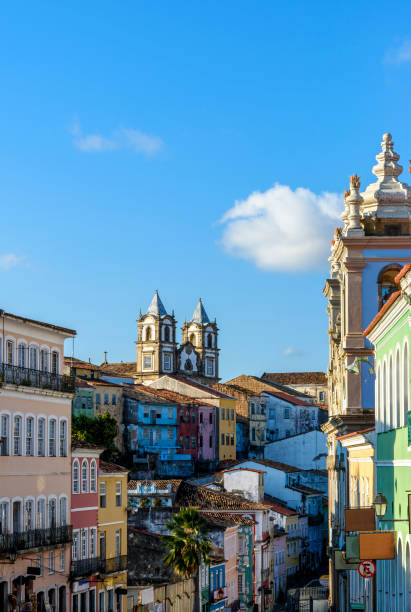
115, 564
96, 565
28, 377
34, 538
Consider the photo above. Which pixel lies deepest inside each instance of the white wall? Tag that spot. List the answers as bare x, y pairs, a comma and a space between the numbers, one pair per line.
246, 481
300, 450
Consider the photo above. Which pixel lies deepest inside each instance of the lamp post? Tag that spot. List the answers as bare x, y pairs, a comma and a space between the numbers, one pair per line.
380, 505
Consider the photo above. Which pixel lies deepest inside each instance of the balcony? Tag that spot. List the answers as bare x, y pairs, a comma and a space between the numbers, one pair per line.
34, 538
15, 375
94, 565
115, 564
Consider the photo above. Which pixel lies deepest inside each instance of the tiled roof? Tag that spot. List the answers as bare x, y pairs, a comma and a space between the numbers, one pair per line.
254, 383
160, 484
304, 489
277, 465
177, 398
274, 505
402, 273
296, 378
242, 419
145, 395
224, 519
107, 467
355, 433
102, 383
65, 330
288, 398
206, 388
127, 369
86, 445
230, 388
73, 362
207, 499
81, 382
382, 312
241, 469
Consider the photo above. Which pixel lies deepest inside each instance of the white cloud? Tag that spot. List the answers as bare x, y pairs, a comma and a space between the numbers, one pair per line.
9, 261
400, 54
292, 352
282, 229
121, 139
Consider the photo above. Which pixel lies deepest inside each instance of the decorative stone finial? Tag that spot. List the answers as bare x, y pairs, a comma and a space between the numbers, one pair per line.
346, 193
355, 181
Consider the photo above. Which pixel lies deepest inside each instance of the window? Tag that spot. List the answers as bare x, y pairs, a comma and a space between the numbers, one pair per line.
386, 283
193, 442
52, 512
102, 494
170, 412
321, 396
84, 543
51, 562
63, 511
110, 600
210, 366
21, 355
211, 418
147, 362
201, 417
44, 358
89, 402
167, 334
227, 414
76, 476
222, 414
40, 563
148, 333
63, 438
62, 560
201, 441
102, 539
253, 434
118, 493
101, 602
17, 435
10, 352
98, 398
232, 414
4, 517
232, 439
29, 515
222, 439
4, 435
240, 583
227, 440
210, 442
93, 542
106, 399
286, 413
41, 514
187, 441
169, 434
75, 549
209, 340
167, 361
146, 433
33, 358
84, 476
55, 362
158, 434
252, 408
118, 542
52, 437
93, 477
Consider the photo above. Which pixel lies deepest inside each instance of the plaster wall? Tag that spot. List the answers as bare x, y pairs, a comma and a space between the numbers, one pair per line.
300, 450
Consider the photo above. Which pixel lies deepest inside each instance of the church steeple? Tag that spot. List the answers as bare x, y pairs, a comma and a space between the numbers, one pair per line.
156, 307
199, 315
201, 335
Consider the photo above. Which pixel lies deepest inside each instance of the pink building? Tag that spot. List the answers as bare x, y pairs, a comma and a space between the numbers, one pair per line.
84, 520
35, 465
207, 434
280, 570
231, 563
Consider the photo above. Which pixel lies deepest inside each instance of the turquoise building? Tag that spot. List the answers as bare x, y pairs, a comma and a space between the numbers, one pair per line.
390, 332
83, 400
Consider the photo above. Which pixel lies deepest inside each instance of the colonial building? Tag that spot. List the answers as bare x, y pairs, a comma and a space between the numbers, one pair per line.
158, 352
35, 464
366, 254
309, 383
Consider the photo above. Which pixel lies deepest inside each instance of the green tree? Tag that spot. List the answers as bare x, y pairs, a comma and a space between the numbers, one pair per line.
101, 431
187, 543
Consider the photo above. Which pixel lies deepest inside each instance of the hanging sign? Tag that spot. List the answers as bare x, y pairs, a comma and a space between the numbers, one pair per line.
366, 569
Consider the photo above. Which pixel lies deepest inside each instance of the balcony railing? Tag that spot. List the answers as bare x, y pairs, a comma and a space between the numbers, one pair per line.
95, 565
34, 538
27, 377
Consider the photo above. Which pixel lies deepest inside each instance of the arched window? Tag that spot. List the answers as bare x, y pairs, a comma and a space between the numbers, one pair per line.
209, 340
399, 419
405, 382
167, 334
52, 437
386, 284
93, 477
63, 511
76, 476
148, 333
84, 476
193, 339
54, 362
52, 512
384, 398
17, 435
5, 435
30, 436
63, 438
44, 360
41, 437
33, 358
21, 355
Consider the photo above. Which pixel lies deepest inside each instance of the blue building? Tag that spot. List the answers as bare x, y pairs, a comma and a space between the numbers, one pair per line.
242, 429
218, 592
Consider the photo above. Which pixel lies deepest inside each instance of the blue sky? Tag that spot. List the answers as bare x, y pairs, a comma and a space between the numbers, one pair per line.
129, 130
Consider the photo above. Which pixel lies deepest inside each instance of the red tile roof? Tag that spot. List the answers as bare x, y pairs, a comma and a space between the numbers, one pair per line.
127, 369
274, 505
382, 312
355, 433
402, 273
178, 398
65, 330
107, 467
288, 398
241, 469
206, 499
197, 385
224, 519
296, 378
79, 363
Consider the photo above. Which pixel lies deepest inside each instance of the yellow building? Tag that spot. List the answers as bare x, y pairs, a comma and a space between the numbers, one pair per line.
292, 549
112, 536
226, 422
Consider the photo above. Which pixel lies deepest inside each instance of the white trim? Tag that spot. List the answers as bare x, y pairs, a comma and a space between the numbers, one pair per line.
360, 459
394, 463
84, 509
113, 523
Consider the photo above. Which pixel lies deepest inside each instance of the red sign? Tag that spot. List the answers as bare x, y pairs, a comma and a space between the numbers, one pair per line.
367, 569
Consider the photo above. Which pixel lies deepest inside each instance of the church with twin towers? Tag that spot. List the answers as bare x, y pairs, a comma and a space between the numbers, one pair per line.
159, 353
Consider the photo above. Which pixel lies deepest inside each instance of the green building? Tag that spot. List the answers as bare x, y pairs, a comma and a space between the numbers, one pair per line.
83, 400
390, 333
245, 566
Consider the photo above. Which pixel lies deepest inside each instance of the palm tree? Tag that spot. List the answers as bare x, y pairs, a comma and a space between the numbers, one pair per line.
187, 543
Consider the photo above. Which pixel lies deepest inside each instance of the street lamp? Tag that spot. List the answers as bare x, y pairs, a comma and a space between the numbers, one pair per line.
380, 505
